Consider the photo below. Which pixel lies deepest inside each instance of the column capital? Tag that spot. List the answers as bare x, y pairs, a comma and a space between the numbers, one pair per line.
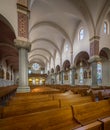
73, 66
95, 58
94, 38
22, 44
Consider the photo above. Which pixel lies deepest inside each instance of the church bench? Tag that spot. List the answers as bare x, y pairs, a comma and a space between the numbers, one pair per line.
21, 99
20, 109
64, 100
36, 98
75, 101
91, 112
57, 119
30, 96
6, 93
72, 96
97, 125
105, 123
28, 100
100, 93
28, 107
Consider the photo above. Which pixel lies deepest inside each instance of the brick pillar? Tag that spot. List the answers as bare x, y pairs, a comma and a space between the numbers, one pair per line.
94, 58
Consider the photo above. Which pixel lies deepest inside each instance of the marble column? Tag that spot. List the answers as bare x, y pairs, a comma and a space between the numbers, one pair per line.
62, 79
93, 62
55, 77
73, 71
94, 58
23, 66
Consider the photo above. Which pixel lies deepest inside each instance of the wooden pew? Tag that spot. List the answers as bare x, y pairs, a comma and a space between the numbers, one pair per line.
57, 119
16, 101
6, 93
75, 101
15, 110
37, 98
91, 112
28, 107
105, 123
97, 125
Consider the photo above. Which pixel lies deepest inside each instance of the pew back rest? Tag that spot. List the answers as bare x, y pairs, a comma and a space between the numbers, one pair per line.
90, 112
16, 110
15, 102
40, 120
75, 101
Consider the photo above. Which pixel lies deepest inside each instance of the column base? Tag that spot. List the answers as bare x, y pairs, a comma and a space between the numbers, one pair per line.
23, 89
94, 86
72, 85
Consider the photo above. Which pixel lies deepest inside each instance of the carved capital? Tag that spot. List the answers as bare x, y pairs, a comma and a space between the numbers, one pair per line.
22, 44
95, 58
73, 67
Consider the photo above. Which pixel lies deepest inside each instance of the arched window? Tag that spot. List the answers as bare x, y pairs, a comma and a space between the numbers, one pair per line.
29, 71
106, 27
66, 47
81, 34
35, 66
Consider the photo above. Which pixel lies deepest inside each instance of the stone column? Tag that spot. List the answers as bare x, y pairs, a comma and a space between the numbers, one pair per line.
94, 58
62, 79
23, 45
73, 71
55, 77
23, 66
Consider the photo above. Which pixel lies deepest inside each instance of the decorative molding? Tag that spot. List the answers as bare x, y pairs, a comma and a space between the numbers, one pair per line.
22, 44
94, 38
23, 2
94, 58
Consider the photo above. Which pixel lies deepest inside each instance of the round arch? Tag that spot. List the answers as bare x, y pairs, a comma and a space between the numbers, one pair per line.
83, 57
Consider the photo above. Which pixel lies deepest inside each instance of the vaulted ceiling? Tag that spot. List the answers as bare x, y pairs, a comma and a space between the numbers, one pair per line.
8, 52
53, 22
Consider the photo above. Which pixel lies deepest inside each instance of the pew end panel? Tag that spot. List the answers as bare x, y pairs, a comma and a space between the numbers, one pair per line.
106, 123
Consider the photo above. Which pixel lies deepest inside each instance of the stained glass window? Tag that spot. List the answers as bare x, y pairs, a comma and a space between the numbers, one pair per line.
81, 34
66, 47
105, 27
35, 66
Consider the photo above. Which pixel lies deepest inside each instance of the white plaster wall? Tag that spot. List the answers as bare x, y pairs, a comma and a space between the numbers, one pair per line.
81, 45
105, 38
51, 64
66, 55
57, 59
9, 11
